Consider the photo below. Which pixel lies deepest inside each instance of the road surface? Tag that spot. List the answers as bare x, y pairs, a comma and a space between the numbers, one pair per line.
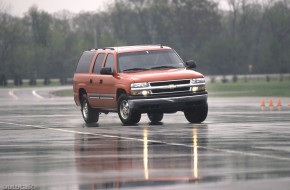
45, 144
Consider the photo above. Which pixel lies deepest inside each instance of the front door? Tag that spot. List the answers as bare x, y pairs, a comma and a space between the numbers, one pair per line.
108, 90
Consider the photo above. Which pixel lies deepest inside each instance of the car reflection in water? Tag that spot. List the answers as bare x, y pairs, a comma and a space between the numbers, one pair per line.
111, 162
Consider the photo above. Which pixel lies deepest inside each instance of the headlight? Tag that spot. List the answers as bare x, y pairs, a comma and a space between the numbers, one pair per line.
138, 89
198, 81
199, 84
140, 85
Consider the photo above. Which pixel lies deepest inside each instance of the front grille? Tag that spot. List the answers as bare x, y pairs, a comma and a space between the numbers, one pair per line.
175, 86
158, 91
174, 82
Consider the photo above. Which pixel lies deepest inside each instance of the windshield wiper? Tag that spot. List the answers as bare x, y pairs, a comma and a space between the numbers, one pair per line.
164, 67
135, 69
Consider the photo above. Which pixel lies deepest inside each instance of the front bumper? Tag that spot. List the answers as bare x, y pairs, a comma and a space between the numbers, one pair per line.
168, 104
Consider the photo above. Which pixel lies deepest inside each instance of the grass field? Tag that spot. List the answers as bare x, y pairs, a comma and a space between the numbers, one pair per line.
253, 87
63, 93
38, 84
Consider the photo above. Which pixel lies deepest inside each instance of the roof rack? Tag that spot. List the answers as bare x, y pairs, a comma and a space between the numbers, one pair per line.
110, 48
161, 46
113, 48
91, 49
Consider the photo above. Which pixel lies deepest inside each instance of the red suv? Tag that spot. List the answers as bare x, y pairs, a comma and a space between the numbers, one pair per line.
132, 80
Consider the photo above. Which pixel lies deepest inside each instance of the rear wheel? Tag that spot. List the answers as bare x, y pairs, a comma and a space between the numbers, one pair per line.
90, 114
155, 117
126, 114
197, 114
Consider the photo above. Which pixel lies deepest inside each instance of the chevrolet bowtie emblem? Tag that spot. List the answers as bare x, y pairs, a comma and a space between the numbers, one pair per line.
171, 86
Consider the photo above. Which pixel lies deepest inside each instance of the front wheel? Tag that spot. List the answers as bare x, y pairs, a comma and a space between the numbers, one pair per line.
90, 114
126, 114
155, 117
197, 114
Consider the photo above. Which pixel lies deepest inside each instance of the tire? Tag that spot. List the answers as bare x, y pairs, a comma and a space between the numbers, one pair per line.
127, 115
155, 117
197, 114
89, 114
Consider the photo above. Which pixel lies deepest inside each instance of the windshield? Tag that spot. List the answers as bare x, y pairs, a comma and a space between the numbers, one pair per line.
146, 60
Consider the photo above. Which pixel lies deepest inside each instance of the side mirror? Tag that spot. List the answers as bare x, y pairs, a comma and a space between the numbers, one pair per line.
190, 64
106, 71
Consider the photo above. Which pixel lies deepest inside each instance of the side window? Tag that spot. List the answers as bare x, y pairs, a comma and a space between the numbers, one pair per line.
85, 62
110, 61
98, 63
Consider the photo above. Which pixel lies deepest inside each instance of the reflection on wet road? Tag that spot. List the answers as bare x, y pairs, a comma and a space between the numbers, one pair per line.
45, 143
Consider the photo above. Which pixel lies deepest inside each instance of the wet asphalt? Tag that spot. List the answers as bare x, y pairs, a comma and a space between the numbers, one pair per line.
45, 144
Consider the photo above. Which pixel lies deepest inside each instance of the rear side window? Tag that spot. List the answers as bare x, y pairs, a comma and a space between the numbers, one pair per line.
98, 63
85, 62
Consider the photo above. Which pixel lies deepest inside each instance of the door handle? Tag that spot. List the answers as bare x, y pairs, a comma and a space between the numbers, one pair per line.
101, 81
91, 81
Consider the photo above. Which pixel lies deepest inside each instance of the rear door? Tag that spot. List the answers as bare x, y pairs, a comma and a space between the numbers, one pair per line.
82, 74
94, 89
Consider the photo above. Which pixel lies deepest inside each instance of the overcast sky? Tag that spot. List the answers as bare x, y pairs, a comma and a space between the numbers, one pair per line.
18, 7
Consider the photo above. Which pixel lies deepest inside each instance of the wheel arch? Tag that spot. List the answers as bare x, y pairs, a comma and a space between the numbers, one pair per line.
82, 91
119, 92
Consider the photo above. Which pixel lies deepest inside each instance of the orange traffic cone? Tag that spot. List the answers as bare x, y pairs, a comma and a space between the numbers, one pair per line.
271, 104
279, 104
262, 104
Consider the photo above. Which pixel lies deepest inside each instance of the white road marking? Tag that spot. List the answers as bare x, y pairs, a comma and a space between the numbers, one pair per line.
37, 95
12, 93
155, 141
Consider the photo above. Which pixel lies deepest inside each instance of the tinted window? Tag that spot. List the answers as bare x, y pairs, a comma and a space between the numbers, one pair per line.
110, 61
98, 63
85, 62
149, 60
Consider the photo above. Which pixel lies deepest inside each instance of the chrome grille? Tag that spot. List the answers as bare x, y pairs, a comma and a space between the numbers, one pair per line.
174, 82
175, 86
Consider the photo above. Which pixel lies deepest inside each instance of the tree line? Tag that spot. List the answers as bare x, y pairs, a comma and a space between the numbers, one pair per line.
247, 37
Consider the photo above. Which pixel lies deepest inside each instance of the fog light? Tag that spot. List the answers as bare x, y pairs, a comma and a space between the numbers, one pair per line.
194, 89
145, 92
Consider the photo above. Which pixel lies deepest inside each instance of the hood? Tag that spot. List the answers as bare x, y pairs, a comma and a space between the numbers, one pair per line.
161, 75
